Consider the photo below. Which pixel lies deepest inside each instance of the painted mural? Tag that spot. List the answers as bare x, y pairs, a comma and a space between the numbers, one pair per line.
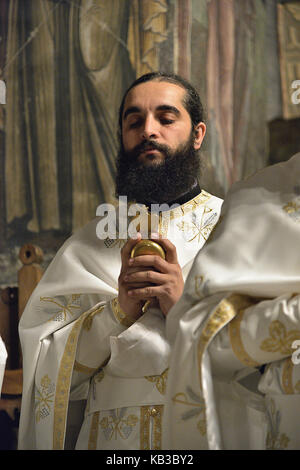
66, 65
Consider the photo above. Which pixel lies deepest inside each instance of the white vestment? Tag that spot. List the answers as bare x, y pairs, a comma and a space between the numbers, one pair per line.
234, 377
79, 348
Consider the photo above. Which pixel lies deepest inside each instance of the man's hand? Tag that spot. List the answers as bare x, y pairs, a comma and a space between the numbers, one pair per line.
130, 305
161, 279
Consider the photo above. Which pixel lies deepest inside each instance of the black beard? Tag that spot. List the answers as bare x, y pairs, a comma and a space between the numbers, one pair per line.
157, 183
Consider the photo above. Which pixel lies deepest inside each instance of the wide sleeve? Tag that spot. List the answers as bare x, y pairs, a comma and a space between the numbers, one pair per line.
258, 335
104, 321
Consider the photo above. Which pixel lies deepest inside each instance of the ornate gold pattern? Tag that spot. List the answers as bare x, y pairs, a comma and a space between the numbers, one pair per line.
151, 415
44, 398
225, 311
157, 427
287, 376
72, 303
84, 369
93, 437
275, 440
63, 383
145, 428
117, 424
235, 335
197, 405
199, 283
120, 315
198, 229
280, 340
190, 206
87, 324
292, 208
159, 380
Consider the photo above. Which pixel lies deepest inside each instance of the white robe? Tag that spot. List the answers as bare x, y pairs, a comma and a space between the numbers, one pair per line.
77, 347
240, 310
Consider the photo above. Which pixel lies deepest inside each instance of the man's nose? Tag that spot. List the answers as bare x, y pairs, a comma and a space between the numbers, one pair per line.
151, 128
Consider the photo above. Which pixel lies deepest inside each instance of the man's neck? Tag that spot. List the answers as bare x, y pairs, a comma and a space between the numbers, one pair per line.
180, 199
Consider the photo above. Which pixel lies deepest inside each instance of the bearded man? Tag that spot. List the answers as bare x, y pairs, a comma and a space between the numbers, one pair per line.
95, 353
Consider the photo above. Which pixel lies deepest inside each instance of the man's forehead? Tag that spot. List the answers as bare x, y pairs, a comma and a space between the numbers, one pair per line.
154, 94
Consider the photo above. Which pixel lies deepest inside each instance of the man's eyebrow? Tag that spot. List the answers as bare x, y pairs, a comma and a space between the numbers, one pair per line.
162, 107
131, 110
168, 107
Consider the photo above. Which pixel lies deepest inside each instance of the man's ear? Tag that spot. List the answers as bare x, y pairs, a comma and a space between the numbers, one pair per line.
199, 133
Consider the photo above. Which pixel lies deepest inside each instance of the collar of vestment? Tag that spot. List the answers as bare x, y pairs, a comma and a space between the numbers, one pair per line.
180, 200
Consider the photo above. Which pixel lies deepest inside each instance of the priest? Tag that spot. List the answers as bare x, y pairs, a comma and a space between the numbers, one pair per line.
96, 356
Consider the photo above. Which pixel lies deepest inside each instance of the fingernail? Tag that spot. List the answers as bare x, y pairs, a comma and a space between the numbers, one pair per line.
131, 261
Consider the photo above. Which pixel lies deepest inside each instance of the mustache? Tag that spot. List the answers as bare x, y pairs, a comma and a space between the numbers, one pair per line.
149, 145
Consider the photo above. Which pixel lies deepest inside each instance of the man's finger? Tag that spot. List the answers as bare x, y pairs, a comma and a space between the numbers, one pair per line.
127, 248
169, 248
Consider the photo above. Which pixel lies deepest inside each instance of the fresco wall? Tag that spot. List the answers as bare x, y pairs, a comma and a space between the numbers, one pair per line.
66, 65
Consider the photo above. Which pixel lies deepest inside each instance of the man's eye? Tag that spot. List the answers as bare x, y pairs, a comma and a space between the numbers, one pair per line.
134, 124
166, 121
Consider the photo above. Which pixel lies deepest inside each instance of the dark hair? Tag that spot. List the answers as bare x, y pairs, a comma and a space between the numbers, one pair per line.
191, 101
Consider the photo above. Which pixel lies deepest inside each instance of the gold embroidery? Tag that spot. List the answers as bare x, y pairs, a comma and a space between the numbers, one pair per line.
157, 426
63, 383
87, 324
159, 380
235, 335
100, 376
44, 398
120, 315
293, 210
198, 408
225, 311
275, 440
200, 285
145, 428
117, 424
148, 414
190, 206
280, 340
291, 207
111, 243
93, 437
287, 376
83, 369
297, 386
61, 313
198, 229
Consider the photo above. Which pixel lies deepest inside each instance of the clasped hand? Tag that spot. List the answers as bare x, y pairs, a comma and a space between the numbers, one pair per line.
149, 277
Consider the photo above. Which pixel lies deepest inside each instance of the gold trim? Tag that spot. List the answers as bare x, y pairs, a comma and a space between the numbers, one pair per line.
145, 428
157, 427
64, 382
93, 437
78, 367
226, 310
87, 324
156, 414
159, 380
235, 335
190, 206
287, 376
120, 315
